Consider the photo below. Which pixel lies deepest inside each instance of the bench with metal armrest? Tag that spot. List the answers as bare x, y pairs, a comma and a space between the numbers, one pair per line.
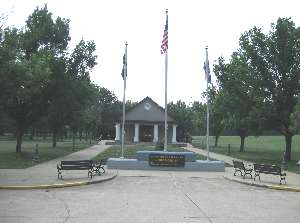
268, 169
98, 167
240, 167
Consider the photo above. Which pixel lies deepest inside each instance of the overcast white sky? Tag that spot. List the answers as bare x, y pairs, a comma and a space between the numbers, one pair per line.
193, 24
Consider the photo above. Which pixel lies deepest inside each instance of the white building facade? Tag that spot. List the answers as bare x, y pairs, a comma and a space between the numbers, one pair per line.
145, 123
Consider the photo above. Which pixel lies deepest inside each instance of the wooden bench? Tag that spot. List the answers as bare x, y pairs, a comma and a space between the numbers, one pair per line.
240, 167
75, 165
268, 169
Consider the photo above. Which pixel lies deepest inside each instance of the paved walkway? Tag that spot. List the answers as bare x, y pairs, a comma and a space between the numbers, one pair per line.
45, 174
267, 180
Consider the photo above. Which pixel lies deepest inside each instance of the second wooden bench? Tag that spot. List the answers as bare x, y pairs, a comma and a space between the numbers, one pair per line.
75, 165
268, 169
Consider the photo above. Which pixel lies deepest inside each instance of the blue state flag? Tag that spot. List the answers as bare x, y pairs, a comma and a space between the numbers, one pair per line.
207, 71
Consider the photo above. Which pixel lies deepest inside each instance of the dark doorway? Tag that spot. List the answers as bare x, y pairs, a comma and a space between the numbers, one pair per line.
146, 133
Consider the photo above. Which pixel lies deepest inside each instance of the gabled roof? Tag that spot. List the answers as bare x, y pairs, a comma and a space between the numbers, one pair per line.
146, 110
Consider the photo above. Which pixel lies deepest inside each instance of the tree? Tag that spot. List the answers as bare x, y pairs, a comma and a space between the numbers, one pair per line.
79, 65
23, 82
59, 96
28, 74
274, 63
237, 98
182, 114
45, 34
110, 112
70, 90
38, 77
42, 33
198, 111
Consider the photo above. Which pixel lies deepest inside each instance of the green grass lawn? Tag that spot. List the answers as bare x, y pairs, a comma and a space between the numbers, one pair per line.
263, 149
9, 159
130, 151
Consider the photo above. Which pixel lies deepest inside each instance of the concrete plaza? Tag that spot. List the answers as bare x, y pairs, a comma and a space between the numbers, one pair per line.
146, 196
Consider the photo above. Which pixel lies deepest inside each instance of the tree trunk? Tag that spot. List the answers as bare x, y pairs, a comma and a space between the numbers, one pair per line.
65, 134
19, 135
32, 131
288, 146
80, 136
216, 140
54, 138
73, 140
91, 137
242, 143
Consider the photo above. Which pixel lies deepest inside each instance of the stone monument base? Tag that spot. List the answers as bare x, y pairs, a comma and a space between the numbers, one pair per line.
170, 161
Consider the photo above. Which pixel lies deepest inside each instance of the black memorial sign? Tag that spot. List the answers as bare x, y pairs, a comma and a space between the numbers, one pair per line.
171, 160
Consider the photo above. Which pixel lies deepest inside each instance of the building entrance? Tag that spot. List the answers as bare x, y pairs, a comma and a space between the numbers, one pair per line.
146, 133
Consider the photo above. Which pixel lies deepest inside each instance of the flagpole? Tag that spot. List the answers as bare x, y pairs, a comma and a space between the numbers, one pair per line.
166, 96
207, 104
123, 124
166, 102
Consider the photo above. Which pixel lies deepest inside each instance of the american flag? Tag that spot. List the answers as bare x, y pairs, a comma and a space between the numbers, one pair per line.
164, 43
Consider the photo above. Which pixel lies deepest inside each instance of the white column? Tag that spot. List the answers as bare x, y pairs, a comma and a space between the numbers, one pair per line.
136, 132
155, 137
174, 134
117, 126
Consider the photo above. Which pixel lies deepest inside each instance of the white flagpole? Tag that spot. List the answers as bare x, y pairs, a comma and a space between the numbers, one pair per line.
123, 124
166, 102
166, 95
207, 102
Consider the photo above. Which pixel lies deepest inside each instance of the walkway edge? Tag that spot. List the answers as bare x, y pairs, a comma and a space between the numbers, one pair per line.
274, 187
62, 185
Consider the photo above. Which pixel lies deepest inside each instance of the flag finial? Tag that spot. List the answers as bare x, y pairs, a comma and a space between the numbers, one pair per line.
206, 47
167, 11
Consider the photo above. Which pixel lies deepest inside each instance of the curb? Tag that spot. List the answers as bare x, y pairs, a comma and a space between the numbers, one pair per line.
292, 189
62, 185
269, 186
